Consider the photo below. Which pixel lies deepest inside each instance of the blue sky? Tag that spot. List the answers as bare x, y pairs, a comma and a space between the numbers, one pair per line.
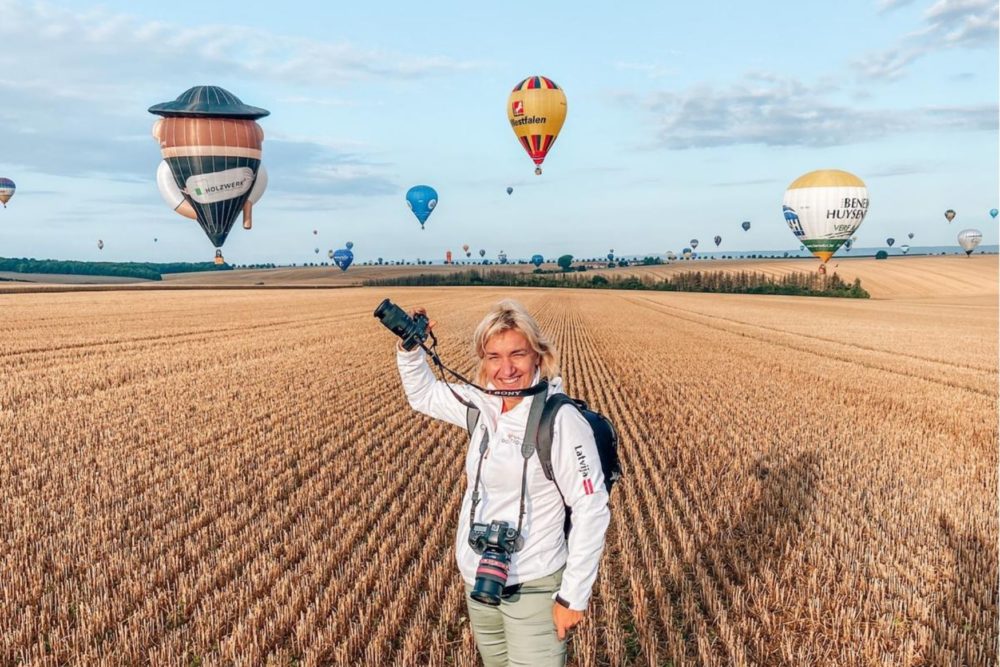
682, 122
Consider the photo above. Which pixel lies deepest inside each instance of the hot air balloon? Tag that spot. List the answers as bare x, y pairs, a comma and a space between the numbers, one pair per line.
315, 232
905, 248
889, 241
100, 244
349, 245
536, 110
7, 189
343, 258
329, 254
537, 260
670, 255
316, 250
694, 244
155, 240
993, 211
611, 256
848, 244
686, 253
718, 240
824, 208
219, 259
510, 190
422, 199
211, 148
949, 215
910, 235
969, 239
745, 225
447, 257
502, 257
465, 249
482, 253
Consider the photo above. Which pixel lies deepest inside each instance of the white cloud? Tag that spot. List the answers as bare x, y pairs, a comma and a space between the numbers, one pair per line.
947, 24
774, 111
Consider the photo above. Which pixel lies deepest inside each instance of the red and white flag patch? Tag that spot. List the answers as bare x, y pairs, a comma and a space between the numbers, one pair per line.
588, 487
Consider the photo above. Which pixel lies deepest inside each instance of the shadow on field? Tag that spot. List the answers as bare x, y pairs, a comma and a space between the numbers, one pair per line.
760, 536
966, 633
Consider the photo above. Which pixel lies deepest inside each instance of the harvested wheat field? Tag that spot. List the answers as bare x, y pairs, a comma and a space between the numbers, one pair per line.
235, 478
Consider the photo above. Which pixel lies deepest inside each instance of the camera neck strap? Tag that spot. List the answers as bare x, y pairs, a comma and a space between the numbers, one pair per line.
528, 446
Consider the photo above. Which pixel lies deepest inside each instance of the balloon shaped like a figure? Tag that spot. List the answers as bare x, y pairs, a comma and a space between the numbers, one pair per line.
889, 241
718, 240
219, 259
510, 190
7, 189
343, 258
447, 257
950, 214
537, 260
211, 147
536, 110
745, 225
969, 239
824, 208
422, 199
694, 244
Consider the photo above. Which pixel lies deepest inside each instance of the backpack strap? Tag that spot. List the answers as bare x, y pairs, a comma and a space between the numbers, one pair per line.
545, 429
471, 418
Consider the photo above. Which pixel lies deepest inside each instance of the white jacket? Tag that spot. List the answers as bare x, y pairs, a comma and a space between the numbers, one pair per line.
576, 466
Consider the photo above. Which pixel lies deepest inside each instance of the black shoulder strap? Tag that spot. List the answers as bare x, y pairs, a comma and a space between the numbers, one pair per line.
545, 428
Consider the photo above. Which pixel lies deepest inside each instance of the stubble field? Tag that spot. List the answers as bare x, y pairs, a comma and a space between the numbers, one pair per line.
217, 478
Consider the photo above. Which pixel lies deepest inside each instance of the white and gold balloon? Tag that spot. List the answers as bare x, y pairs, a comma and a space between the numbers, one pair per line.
824, 208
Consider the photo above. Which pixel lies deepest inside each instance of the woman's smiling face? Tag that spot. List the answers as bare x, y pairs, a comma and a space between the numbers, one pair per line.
510, 361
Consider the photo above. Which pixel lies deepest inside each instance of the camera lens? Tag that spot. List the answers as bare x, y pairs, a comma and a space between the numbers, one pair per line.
491, 577
382, 308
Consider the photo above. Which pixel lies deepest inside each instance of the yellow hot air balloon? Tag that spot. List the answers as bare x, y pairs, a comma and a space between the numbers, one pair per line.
824, 208
536, 110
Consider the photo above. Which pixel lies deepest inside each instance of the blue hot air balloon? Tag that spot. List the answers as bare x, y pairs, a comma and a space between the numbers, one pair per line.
993, 213
349, 245
422, 199
537, 260
746, 225
510, 190
889, 241
343, 258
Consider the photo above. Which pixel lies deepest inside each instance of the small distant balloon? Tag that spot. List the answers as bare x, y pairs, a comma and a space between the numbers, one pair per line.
329, 254
316, 250
447, 257
889, 241
910, 235
349, 245
694, 244
718, 240
482, 253
905, 248
7, 189
502, 257
100, 244
745, 225
949, 215
993, 213
537, 260
343, 258
611, 256
422, 199
686, 253
848, 244
969, 239
510, 190
670, 255
155, 240
315, 232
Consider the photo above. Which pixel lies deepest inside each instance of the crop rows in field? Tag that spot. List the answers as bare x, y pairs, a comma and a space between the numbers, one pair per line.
236, 478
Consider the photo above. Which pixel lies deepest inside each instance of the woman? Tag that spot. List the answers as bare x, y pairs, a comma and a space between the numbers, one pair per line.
550, 577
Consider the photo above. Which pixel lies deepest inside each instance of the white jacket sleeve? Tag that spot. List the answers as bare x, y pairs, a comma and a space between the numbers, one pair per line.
577, 469
428, 394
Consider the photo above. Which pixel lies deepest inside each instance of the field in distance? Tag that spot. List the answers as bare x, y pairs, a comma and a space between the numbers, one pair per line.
235, 478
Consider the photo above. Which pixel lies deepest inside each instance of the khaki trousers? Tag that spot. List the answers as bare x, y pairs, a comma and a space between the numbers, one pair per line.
520, 632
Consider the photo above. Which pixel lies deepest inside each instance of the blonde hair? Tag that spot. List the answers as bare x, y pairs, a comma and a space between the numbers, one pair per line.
510, 315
